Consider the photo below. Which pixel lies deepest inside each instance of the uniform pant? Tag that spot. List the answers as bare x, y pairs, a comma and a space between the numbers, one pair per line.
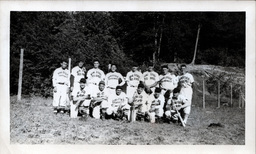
96, 109
76, 86
184, 111
158, 112
112, 90
112, 109
74, 111
93, 88
60, 96
130, 91
187, 92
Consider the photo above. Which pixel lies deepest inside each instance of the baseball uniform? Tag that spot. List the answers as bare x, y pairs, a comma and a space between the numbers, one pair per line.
133, 79
168, 82
78, 74
78, 94
150, 78
140, 101
104, 103
60, 80
94, 76
112, 80
118, 102
155, 106
186, 82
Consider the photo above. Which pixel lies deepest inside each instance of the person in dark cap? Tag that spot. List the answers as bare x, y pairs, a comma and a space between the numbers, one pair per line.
178, 103
155, 105
100, 101
81, 100
150, 79
138, 102
133, 78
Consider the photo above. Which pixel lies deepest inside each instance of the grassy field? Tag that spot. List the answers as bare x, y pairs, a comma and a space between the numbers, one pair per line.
33, 122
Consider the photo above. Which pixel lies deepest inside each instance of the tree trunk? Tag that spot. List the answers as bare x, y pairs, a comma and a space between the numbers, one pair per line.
160, 40
194, 58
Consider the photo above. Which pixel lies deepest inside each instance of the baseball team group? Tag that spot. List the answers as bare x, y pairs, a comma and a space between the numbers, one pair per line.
148, 96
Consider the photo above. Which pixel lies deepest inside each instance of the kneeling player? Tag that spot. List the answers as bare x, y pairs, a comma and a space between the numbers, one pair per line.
81, 100
156, 104
100, 101
138, 103
119, 107
177, 105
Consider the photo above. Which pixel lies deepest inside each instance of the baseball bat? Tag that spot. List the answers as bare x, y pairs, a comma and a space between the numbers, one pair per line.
132, 114
181, 120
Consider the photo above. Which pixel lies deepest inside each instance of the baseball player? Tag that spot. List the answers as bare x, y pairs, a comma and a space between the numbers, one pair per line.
94, 76
155, 105
77, 73
113, 78
81, 100
61, 83
186, 81
133, 79
178, 103
100, 100
138, 102
119, 107
151, 79
168, 82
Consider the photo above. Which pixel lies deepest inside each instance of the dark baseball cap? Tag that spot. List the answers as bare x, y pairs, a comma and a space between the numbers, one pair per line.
83, 80
102, 82
118, 87
141, 85
176, 90
157, 90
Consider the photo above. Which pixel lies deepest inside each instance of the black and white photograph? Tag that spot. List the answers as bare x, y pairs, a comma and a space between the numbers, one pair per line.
131, 77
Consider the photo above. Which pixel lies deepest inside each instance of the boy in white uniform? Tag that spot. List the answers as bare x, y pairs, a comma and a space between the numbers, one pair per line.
133, 79
119, 107
156, 105
168, 82
186, 81
61, 84
178, 103
138, 102
100, 100
94, 76
77, 73
151, 79
113, 78
81, 100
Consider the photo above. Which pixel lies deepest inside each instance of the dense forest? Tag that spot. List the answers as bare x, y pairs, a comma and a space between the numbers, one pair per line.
122, 38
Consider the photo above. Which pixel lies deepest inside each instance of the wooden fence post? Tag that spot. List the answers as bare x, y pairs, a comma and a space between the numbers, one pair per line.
20, 75
203, 93
218, 94
231, 95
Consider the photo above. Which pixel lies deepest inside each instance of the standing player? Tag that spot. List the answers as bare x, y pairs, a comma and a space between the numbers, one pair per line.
155, 105
94, 76
168, 82
113, 78
138, 102
77, 73
119, 107
61, 83
81, 100
133, 79
186, 81
151, 79
178, 103
100, 100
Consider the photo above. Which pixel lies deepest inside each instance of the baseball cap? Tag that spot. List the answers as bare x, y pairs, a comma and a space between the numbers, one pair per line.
101, 82
176, 90
164, 66
118, 87
141, 85
157, 90
83, 80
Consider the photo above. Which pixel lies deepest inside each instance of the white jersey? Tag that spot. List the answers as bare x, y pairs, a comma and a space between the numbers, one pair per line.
118, 100
150, 77
112, 79
187, 79
154, 102
81, 92
103, 93
180, 100
134, 78
60, 76
168, 81
94, 76
139, 99
78, 73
